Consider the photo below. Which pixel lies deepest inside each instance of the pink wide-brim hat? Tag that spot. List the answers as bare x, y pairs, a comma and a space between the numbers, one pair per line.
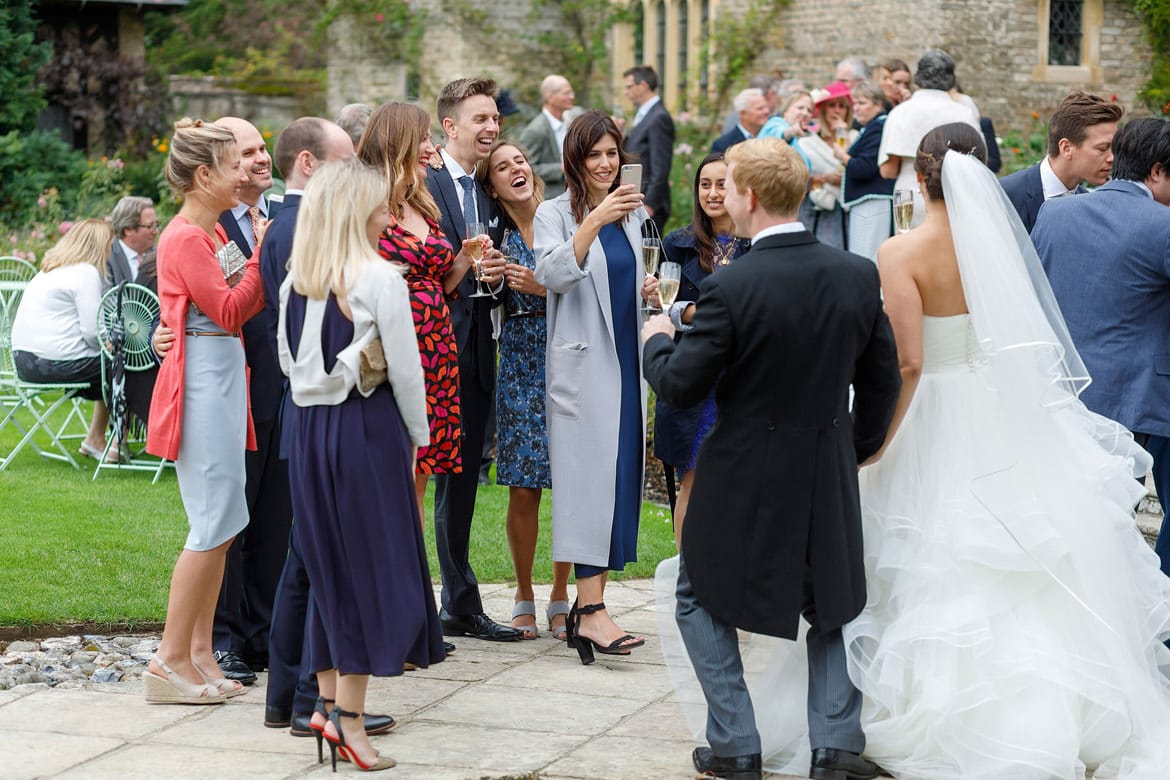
837, 89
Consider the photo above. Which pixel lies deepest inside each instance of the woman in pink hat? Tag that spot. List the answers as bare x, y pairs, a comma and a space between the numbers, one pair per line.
821, 211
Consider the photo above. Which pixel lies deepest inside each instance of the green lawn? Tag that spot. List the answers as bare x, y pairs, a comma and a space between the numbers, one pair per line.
72, 549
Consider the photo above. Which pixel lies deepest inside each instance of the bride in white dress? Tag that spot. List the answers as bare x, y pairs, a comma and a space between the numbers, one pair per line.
1015, 615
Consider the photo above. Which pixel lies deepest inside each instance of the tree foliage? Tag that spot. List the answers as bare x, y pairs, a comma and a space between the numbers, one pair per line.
23, 56
1155, 15
214, 37
735, 45
576, 46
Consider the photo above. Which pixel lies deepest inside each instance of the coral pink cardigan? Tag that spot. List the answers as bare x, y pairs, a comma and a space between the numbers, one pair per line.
188, 272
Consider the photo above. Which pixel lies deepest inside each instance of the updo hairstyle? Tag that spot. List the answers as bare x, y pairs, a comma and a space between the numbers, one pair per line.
195, 143
956, 136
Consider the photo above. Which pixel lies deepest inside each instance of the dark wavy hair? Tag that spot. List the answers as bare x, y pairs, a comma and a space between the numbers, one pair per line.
956, 136
701, 226
584, 133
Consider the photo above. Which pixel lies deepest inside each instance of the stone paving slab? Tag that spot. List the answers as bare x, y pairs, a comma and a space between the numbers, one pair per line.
492, 710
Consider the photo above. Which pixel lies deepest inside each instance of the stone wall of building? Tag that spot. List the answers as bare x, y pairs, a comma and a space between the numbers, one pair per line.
995, 43
207, 99
497, 41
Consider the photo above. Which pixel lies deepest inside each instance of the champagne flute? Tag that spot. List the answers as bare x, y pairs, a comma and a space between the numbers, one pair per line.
903, 209
669, 276
651, 252
476, 230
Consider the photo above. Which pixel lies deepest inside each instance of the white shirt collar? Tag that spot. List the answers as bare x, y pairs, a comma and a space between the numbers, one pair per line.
744, 130
774, 230
1145, 188
127, 251
557, 124
242, 209
645, 108
1053, 186
453, 167
293, 192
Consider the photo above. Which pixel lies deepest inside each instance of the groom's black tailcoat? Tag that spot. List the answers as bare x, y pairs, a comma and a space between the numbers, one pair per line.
773, 527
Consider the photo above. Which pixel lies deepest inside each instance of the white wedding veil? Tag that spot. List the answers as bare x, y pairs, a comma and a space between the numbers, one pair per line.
1011, 303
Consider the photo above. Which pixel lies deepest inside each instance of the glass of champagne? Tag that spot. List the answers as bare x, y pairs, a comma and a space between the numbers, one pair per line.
903, 209
477, 230
669, 276
651, 253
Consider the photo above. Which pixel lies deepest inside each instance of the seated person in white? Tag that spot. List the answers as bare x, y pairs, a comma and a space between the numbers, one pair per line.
54, 333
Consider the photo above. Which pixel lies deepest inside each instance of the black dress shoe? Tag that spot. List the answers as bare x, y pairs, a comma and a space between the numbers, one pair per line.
448, 648
834, 764
478, 626
375, 724
730, 767
233, 667
277, 717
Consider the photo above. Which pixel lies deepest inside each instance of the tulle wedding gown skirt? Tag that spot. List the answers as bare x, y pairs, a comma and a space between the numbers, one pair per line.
1015, 614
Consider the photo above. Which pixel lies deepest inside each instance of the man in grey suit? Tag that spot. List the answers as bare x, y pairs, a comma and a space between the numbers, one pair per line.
650, 140
1107, 256
136, 226
780, 466
1080, 138
544, 136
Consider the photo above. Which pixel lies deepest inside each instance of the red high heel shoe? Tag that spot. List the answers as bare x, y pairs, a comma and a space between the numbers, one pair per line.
337, 745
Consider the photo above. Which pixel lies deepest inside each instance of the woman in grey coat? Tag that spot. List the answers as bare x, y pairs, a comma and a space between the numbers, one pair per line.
588, 249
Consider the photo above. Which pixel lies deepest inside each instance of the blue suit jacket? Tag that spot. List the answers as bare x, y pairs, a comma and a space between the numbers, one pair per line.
266, 383
1107, 256
1026, 192
728, 140
477, 350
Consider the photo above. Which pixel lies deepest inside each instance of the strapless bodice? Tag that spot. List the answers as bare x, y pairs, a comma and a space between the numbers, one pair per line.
948, 342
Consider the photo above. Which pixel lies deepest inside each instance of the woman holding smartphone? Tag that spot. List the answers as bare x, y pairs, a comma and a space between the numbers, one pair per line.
588, 247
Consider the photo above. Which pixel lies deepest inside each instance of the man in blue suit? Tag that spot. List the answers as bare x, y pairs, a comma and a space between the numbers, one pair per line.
753, 110
1107, 256
471, 121
1080, 134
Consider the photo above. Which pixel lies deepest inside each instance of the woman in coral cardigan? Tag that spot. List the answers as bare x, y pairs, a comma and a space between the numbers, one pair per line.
199, 415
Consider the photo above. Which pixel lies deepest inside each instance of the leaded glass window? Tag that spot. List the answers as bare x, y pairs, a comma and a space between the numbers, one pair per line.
682, 45
1064, 32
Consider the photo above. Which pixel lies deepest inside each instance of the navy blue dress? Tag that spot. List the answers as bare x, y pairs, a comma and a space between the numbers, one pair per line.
624, 268
678, 432
357, 524
522, 457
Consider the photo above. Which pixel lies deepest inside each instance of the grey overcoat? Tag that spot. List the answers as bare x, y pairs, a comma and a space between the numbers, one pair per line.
583, 382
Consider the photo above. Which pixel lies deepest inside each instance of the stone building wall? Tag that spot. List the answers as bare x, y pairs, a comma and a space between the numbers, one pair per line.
995, 43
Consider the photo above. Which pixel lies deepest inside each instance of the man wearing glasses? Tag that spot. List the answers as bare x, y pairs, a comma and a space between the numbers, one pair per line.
136, 226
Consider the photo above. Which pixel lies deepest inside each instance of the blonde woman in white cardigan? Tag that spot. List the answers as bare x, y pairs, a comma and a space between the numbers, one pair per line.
352, 450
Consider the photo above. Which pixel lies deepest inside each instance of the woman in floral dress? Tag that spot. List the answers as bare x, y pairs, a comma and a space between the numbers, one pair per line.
397, 143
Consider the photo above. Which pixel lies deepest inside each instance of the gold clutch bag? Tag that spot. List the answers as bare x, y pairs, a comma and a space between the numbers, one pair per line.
372, 367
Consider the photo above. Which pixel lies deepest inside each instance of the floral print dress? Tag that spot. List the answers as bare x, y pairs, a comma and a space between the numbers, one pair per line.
426, 262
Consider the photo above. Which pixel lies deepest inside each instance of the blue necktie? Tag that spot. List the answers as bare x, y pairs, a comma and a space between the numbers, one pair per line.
469, 214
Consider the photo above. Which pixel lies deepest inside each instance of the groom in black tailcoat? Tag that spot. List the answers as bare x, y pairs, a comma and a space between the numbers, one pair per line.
773, 530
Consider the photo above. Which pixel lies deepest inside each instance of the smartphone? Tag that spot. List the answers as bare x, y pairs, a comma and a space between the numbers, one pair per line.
632, 174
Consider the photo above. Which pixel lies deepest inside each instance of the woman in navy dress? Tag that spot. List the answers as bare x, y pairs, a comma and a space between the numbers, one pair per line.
352, 452
522, 460
701, 248
867, 196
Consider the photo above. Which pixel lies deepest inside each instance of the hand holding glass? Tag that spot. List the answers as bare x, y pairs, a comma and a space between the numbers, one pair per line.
477, 230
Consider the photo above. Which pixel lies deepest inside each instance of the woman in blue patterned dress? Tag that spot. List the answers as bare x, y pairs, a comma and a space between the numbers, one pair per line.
522, 460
